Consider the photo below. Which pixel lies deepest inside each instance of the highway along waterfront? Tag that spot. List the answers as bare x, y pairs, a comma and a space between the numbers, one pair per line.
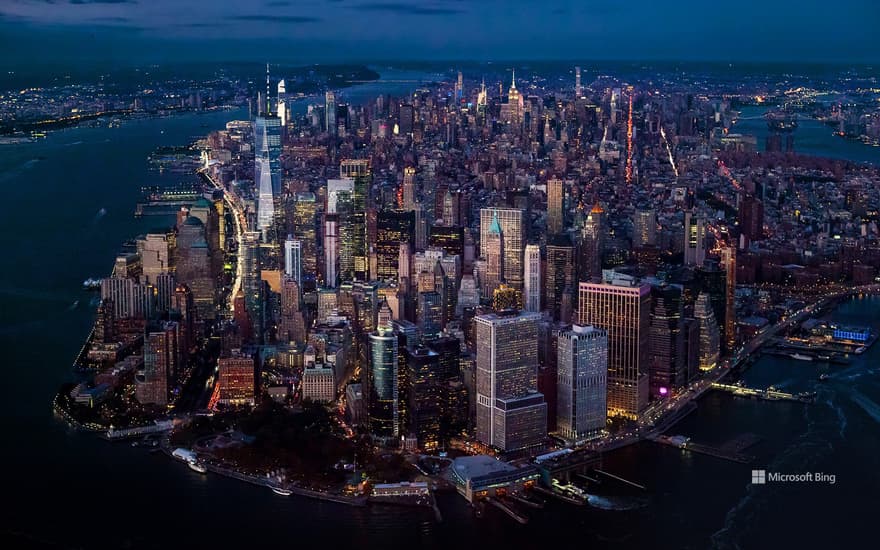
68, 205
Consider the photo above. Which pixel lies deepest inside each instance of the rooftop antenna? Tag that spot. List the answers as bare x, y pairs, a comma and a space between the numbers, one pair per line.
268, 102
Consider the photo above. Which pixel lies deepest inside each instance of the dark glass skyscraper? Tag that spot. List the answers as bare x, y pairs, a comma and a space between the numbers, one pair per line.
423, 399
667, 365
393, 227
383, 376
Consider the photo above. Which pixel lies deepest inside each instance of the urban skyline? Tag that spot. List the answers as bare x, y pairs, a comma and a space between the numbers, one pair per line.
509, 303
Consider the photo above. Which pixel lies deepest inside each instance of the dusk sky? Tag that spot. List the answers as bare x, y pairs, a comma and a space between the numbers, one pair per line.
357, 30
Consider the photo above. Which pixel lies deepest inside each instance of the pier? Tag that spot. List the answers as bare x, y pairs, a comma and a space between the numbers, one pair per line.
160, 208
508, 510
560, 496
729, 451
770, 394
618, 478
526, 502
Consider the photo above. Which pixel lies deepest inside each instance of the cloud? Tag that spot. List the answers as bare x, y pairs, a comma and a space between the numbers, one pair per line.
110, 19
200, 25
276, 18
80, 2
406, 9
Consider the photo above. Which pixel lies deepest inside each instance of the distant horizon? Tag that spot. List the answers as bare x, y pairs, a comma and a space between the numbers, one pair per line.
85, 68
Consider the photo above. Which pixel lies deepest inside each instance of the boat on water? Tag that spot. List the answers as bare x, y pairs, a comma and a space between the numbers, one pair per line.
92, 284
281, 491
824, 376
801, 357
197, 467
860, 350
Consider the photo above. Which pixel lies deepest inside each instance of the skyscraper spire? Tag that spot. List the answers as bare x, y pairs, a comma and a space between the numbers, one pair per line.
268, 102
513, 80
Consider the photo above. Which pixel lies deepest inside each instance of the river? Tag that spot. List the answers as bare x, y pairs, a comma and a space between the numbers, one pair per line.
810, 138
68, 204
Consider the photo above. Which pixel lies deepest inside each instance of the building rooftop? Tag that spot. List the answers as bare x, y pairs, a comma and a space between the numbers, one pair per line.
469, 467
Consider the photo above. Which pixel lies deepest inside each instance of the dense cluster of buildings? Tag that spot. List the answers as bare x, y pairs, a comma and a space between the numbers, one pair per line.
497, 267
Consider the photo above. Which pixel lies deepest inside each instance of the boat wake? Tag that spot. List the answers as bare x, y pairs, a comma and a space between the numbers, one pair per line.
616, 503
860, 399
15, 172
101, 213
803, 454
841, 416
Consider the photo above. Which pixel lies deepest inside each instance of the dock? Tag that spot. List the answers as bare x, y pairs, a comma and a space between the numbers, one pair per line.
508, 510
618, 478
160, 208
770, 394
560, 496
526, 502
729, 451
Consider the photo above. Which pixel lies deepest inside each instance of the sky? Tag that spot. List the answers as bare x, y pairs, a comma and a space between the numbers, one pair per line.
321, 31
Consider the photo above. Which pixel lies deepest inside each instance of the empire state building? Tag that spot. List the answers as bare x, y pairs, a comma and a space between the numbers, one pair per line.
512, 111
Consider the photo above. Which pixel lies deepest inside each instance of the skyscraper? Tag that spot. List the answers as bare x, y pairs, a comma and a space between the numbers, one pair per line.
409, 188
423, 396
493, 252
644, 228
157, 251
281, 108
430, 314
751, 219
582, 377
728, 262
291, 325
252, 283
667, 363
560, 281
267, 168
592, 245
511, 222
305, 220
236, 380
555, 216
160, 364
578, 89
621, 308
330, 113
532, 278
393, 228
331, 250
407, 119
511, 413
351, 207
512, 111
383, 404
448, 239
293, 259
482, 98
694, 239
193, 265
709, 334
